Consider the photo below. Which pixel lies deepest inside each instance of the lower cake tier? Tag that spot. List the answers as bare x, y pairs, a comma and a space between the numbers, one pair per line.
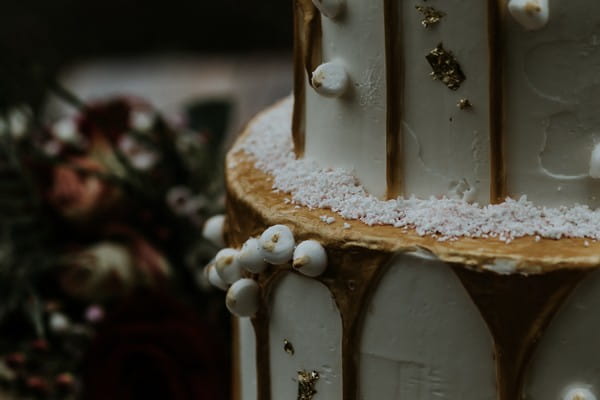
380, 313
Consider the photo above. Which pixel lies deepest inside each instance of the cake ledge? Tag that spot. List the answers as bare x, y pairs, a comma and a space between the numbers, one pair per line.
252, 199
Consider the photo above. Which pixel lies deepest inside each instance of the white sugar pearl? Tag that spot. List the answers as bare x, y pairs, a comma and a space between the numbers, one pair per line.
531, 14
277, 244
242, 298
214, 278
251, 256
578, 393
310, 258
227, 266
329, 8
330, 79
213, 230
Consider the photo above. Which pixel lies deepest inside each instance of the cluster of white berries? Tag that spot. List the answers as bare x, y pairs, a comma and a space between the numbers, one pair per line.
276, 246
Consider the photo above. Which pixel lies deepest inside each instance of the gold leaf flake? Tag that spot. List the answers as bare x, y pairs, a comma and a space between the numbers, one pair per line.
288, 347
431, 16
306, 384
464, 104
445, 67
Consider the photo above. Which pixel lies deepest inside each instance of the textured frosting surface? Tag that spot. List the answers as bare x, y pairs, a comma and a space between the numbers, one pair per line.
304, 313
532, 122
419, 311
569, 351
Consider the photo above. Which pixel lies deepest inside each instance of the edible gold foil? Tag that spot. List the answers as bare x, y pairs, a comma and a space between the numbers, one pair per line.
446, 68
431, 16
306, 384
464, 104
288, 347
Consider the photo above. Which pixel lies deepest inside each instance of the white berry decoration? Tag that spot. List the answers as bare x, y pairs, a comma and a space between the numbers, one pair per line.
227, 266
310, 258
213, 230
531, 14
251, 256
330, 79
329, 8
277, 244
214, 278
579, 393
242, 298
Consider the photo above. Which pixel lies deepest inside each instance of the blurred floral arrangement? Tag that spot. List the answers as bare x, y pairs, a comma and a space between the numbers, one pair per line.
101, 290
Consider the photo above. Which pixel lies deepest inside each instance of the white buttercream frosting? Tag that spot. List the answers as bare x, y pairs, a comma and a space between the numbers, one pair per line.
595, 162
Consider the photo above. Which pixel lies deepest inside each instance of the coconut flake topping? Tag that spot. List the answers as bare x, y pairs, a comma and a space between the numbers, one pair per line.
310, 185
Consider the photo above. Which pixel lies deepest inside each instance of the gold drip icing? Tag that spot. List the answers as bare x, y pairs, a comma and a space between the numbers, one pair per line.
517, 310
260, 322
307, 56
394, 70
498, 191
351, 277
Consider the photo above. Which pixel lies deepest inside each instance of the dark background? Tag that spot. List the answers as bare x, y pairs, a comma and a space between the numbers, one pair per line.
59, 32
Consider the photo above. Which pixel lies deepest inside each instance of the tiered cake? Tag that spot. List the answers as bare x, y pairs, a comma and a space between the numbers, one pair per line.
426, 228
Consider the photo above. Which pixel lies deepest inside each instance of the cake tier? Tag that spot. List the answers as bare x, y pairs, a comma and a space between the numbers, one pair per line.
511, 112
400, 315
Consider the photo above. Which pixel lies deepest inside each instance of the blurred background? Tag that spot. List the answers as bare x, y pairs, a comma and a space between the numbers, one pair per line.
168, 51
114, 120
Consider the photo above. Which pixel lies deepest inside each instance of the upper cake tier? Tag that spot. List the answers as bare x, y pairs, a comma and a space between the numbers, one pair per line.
470, 98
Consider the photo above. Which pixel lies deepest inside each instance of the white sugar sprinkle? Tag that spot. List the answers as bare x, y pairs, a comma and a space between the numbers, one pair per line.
347, 225
269, 142
327, 220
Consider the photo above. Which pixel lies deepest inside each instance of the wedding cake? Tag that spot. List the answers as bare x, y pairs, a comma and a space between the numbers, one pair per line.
419, 221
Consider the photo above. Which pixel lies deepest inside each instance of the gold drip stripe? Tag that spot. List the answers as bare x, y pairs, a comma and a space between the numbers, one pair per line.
394, 81
517, 309
498, 190
260, 322
307, 56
